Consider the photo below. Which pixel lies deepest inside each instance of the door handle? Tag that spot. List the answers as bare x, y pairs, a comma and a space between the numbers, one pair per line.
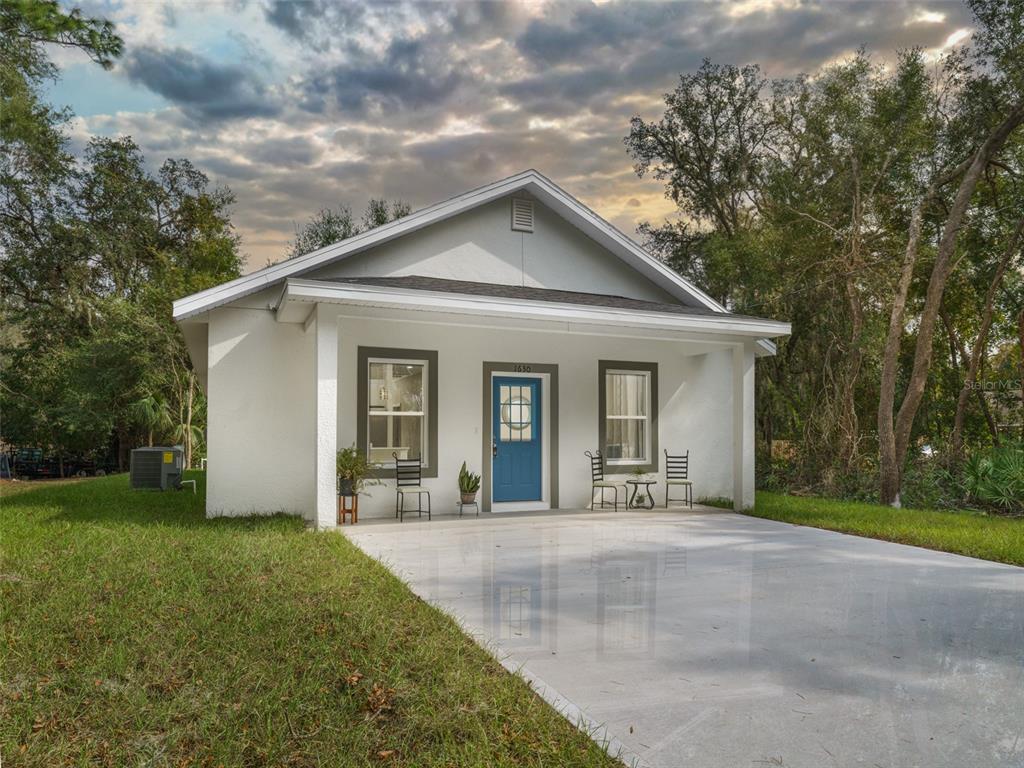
494, 448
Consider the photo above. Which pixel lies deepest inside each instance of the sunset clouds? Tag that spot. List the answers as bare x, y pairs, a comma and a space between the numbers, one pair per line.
301, 105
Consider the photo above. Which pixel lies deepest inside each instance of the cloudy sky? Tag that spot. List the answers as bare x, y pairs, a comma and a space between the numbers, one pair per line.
301, 105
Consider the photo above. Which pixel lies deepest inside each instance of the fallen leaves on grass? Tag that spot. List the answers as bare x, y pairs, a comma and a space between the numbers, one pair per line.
380, 699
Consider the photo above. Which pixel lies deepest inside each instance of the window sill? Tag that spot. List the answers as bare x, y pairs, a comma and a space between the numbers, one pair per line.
626, 468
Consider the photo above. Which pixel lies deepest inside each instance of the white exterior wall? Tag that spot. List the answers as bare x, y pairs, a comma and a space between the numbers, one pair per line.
480, 246
270, 383
261, 415
695, 402
263, 392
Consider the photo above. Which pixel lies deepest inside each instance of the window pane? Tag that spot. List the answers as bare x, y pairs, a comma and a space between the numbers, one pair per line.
626, 439
396, 415
626, 394
396, 387
395, 434
516, 414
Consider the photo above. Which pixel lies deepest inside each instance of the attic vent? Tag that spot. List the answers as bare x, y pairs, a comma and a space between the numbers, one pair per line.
522, 215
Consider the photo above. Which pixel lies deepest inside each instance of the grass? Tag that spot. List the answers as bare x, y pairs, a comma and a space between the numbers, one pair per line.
721, 502
136, 632
965, 533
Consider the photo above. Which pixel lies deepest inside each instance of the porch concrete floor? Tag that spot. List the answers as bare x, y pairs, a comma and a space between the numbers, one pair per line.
715, 639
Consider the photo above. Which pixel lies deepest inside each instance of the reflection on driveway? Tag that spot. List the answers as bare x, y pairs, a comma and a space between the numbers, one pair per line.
722, 640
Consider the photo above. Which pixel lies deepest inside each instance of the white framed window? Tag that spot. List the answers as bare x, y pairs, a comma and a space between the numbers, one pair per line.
628, 417
628, 425
397, 410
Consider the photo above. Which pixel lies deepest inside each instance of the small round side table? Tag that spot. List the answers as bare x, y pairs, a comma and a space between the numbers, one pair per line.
647, 484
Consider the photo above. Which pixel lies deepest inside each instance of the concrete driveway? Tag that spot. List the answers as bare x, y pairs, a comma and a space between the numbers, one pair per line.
717, 639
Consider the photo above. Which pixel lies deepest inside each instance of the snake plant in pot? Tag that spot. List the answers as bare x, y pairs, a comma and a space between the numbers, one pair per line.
469, 484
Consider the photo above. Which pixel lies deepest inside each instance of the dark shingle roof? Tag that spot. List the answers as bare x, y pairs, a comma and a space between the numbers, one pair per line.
527, 293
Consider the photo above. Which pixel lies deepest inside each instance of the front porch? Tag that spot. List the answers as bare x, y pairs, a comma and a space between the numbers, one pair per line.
541, 516
700, 387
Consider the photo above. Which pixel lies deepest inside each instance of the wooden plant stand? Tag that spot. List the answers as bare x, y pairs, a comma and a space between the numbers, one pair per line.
351, 509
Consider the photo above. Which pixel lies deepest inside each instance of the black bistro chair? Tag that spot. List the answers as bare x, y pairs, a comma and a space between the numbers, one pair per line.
409, 481
677, 472
597, 481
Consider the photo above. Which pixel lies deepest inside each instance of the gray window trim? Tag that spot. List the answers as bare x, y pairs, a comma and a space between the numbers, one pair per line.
363, 401
603, 366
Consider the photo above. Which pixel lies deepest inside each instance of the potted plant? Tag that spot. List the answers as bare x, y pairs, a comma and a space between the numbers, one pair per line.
469, 484
641, 497
353, 469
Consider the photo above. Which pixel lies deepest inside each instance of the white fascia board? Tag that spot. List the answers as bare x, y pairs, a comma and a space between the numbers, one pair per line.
557, 199
298, 291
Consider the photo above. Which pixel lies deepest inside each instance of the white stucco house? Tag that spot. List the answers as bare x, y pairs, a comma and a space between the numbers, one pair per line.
510, 327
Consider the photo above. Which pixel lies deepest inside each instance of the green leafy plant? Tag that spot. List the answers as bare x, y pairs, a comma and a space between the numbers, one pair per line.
468, 482
353, 470
996, 477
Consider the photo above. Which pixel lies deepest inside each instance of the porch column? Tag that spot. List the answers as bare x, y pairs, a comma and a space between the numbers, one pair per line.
325, 375
742, 427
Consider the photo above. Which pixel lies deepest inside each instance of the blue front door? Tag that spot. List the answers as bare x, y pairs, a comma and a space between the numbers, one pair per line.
516, 431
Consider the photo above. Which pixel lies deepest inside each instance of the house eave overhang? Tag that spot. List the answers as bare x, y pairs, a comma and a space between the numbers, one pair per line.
531, 181
298, 298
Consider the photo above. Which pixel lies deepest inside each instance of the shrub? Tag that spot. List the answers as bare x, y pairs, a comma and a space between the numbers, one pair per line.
996, 477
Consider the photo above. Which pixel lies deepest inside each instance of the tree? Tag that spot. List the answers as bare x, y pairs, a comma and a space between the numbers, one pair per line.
329, 226
326, 227
788, 208
379, 212
974, 361
92, 252
845, 201
26, 26
990, 110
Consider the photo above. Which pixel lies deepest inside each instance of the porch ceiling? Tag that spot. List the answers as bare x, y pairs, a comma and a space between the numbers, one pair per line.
299, 297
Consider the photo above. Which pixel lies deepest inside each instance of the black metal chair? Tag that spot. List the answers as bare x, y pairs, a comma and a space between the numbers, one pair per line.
597, 481
409, 480
677, 472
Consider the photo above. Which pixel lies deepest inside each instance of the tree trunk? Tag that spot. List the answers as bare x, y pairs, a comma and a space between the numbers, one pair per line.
1020, 343
895, 439
848, 425
959, 358
978, 350
888, 465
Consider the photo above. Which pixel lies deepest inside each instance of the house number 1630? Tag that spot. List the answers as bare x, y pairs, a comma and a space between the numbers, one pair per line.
521, 368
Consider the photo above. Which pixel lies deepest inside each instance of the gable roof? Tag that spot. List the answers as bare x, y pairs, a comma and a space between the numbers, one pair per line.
538, 185
528, 293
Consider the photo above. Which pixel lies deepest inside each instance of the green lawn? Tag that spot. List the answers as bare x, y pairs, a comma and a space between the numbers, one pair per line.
135, 632
974, 534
